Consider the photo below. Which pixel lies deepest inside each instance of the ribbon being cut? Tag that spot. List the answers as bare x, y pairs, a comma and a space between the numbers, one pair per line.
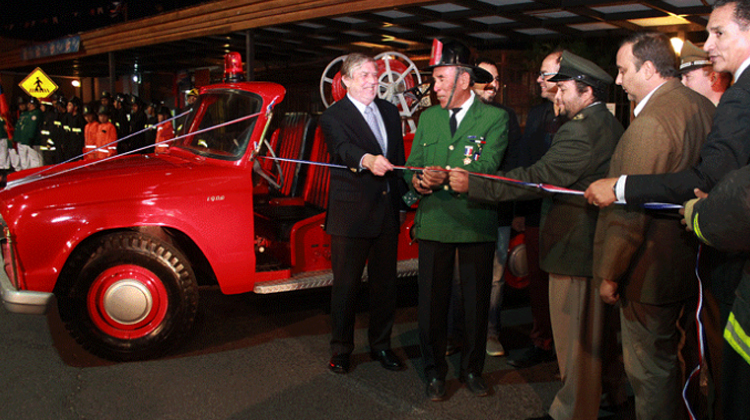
543, 187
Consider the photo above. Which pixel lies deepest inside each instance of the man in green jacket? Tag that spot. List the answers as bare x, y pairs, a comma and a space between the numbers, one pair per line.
461, 132
579, 154
26, 136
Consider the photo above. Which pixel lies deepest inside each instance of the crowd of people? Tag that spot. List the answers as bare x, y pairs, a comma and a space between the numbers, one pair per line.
59, 129
606, 262
599, 270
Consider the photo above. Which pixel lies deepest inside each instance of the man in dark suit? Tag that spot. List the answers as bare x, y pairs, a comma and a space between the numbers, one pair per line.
647, 257
579, 154
363, 132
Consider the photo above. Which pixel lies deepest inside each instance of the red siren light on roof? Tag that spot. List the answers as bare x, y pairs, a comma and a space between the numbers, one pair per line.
233, 67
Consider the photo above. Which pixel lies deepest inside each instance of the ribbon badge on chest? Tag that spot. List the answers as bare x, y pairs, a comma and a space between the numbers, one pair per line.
474, 150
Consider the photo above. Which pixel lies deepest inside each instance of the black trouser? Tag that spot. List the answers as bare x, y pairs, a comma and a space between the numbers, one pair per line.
348, 259
436, 260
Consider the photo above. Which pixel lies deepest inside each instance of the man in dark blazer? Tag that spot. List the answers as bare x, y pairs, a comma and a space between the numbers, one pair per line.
579, 154
647, 257
363, 133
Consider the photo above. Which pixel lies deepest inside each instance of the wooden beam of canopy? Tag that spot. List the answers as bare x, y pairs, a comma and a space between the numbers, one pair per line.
216, 18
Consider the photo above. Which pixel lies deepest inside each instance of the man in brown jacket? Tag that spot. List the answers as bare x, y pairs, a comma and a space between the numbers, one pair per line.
641, 255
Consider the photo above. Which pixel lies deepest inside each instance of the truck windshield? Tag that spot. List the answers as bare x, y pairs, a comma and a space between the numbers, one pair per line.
229, 141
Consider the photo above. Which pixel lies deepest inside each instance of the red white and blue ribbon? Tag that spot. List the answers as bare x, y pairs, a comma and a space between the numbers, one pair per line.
541, 186
701, 338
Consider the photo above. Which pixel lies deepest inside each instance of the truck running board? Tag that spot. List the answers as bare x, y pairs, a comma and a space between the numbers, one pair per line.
406, 268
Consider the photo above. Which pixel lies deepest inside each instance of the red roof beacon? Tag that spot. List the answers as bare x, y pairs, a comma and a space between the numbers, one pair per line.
233, 68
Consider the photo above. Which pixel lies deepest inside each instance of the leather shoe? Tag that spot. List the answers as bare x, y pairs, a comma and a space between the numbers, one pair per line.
532, 357
436, 389
476, 385
340, 363
387, 359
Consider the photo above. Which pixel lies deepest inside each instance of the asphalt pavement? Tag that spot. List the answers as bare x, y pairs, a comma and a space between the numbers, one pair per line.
256, 357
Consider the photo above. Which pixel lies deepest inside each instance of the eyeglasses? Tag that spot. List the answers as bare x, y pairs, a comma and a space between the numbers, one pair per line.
544, 75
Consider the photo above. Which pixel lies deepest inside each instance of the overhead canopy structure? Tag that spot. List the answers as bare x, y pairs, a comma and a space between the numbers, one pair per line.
310, 32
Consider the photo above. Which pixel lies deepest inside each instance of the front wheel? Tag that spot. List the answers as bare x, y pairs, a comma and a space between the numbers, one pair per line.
132, 297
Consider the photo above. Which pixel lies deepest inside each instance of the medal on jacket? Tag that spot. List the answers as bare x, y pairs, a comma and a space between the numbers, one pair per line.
473, 152
468, 153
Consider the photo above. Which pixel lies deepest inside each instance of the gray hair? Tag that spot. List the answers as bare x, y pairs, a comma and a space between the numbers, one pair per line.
354, 60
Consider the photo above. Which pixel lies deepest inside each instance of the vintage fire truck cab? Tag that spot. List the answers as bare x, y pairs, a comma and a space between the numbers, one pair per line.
123, 244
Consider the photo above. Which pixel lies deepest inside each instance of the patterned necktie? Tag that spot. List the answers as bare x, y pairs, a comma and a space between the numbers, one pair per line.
373, 123
454, 121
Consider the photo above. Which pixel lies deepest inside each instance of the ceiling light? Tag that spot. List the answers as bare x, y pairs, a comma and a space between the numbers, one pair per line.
676, 44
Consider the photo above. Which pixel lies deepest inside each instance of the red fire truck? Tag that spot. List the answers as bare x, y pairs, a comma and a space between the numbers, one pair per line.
123, 244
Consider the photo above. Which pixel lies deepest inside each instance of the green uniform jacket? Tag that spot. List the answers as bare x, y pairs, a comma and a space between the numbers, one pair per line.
579, 155
27, 128
444, 215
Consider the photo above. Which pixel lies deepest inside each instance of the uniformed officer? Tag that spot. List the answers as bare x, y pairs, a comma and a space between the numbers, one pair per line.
151, 120
138, 122
58, 133
106, 101
164, 131
47, 126
27, 136
120, 115
74, 125
20, 107
698, 73
191, 98
461, 132
90, 132
579, 154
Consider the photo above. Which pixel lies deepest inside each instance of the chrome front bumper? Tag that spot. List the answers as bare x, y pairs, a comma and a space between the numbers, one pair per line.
22, 301
14, 300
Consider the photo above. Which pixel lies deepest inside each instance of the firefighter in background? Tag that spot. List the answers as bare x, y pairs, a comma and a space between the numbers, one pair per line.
89, 133
26, 137
74, 124
58, 132
49, 152
151, 122
20, 107
120, 116
164, 131
192, 96
138, 121
106, 101
106, 135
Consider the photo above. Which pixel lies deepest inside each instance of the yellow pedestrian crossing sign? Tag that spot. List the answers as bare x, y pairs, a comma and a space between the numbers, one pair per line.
38, 84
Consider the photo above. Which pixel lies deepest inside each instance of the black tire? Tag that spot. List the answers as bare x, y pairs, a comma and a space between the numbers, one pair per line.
130, 297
